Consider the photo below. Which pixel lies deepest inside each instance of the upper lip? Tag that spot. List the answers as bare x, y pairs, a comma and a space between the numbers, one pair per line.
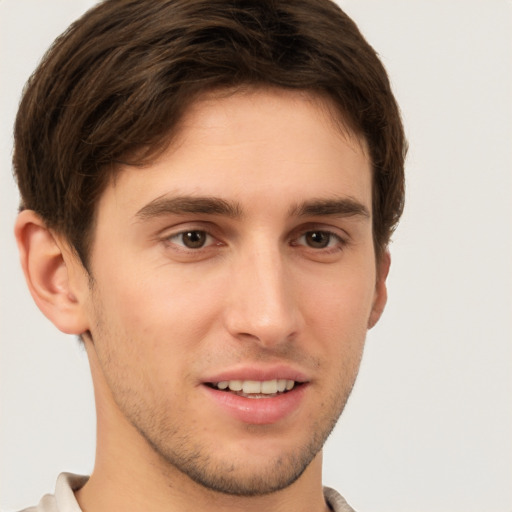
258, 373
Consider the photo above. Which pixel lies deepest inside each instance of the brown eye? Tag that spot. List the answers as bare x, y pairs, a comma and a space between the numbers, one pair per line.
193, 239
317, 239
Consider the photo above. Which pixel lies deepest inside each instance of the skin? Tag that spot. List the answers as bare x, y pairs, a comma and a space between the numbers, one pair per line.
280, 281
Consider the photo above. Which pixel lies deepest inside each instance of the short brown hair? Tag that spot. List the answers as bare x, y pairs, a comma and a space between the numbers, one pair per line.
113, 87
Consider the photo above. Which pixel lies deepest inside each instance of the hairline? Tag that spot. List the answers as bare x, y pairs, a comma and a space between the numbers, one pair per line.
144, 157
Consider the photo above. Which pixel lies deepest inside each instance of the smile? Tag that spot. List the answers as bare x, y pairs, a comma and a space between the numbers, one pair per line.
255, 388
257, 402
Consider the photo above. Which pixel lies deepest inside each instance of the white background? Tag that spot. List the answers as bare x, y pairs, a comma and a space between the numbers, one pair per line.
429, 426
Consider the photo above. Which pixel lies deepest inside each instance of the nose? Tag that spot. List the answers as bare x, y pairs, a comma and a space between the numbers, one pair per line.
262, 305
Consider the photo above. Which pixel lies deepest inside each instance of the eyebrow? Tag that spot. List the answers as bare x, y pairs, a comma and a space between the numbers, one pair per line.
180, 205
337, 207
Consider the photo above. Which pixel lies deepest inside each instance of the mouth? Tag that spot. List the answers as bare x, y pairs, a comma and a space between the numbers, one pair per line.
260, 398
255, 388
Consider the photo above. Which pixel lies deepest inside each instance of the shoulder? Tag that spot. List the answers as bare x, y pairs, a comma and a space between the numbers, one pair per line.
336, 501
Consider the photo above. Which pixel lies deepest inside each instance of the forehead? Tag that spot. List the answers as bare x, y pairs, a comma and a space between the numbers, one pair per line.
244, 113
251, 145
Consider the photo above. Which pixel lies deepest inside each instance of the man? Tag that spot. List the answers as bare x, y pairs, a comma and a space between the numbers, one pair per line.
208, 190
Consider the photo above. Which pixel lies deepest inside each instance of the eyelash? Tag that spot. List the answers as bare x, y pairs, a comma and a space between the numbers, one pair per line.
335, 243
339, 242
172, 239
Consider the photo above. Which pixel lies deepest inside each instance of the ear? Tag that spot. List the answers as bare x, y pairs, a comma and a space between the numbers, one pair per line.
381, 292
55, 277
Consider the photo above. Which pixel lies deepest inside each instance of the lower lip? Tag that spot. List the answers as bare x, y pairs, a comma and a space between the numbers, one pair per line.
258, 411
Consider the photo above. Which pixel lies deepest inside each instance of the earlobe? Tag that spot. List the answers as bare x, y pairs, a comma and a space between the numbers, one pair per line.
51, 273
381, 293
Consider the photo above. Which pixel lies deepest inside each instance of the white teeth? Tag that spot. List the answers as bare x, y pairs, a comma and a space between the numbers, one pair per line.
235, 385
269, 387
281, 385
251, 386
255, 387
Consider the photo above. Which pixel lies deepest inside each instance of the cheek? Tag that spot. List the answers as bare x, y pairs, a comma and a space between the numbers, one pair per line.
344, 301
161, 312
337, 318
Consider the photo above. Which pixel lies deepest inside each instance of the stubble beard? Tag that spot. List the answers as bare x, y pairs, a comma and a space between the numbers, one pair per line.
180, 452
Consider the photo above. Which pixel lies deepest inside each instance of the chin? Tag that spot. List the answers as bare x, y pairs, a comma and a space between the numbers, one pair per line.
249, 479
254, 468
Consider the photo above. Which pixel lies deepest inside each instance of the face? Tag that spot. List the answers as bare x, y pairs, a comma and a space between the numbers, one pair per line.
234, 280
